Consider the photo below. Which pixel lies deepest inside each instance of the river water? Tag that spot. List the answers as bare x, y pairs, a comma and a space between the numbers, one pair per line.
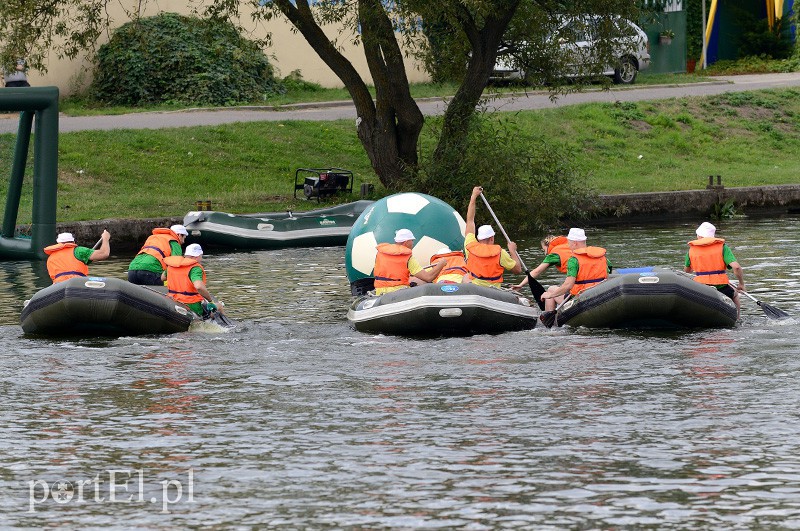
295, 420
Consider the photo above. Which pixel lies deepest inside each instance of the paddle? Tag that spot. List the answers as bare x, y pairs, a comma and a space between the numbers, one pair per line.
770, 311
219, 317
536, 289
548, 318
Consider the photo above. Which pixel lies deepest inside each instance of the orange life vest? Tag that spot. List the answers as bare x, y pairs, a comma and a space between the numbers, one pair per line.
455, 269
179, 286
560, 246
391, 265
158, 245
707, 262
483, 262
62, 264
592, 268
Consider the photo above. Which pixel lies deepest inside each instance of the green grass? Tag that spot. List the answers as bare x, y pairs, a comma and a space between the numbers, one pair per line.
749, 138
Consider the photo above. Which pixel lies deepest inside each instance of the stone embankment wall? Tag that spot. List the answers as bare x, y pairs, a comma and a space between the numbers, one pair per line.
697, 203
127, 235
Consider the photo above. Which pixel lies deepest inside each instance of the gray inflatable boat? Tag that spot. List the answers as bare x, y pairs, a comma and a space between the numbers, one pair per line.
103, 306
649, 297
443, 310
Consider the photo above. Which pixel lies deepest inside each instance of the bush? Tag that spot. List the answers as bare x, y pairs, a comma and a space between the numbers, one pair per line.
530, 183
173, 58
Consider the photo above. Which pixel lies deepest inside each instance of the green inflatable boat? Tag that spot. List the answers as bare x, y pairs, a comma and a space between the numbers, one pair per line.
649, 297
443, 310
326, 227
103, 306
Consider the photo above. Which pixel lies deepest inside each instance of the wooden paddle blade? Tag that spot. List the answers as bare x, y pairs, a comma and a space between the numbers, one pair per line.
548, 318
773, 312
536, 289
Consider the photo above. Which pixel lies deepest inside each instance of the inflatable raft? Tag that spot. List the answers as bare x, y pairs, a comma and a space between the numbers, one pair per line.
325, 227
649, 298
103, 306
443, 309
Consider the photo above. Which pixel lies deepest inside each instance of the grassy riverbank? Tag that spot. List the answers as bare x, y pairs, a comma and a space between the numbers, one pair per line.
748, 138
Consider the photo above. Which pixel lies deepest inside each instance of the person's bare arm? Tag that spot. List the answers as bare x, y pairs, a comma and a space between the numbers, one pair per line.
429, 275
739, 272
512, 250
105, 248
470, 228
203, 290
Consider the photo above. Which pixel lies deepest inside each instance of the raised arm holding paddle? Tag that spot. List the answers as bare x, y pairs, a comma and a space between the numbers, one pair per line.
536, 289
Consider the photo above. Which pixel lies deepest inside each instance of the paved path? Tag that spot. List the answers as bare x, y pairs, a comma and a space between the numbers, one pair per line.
345, 110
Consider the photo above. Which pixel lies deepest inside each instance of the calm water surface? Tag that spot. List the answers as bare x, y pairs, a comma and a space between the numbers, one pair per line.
295, 420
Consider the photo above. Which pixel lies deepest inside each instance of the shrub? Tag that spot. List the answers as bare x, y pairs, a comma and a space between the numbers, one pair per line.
530, 183
173, 58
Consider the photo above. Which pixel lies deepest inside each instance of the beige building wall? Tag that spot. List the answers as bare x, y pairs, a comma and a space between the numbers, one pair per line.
289, 52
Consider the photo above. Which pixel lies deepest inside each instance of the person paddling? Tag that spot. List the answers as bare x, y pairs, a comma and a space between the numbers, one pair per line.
455, 268
586, 268
486, 261
147, 266
709, 257
395, 264
186, 281
68, 260
557, 253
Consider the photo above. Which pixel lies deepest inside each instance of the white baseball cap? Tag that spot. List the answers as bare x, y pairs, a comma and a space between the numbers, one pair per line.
576, 235
444, 250
193, 249
403, 235
706, 230
485, 231
65, 237
179, 229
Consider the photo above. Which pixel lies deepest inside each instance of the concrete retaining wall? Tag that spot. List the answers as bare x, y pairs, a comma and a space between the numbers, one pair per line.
698, 203
126, 234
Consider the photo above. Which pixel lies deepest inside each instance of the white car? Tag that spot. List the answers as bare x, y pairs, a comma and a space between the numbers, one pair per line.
577, 43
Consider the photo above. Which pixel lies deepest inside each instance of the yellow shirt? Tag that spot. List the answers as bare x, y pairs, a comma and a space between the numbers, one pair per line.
506, 261
413, 269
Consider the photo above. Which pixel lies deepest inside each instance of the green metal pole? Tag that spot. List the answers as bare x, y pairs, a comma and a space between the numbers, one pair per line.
17, 174
45, 175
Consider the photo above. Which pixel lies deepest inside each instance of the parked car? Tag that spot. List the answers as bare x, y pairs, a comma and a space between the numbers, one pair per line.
578, 41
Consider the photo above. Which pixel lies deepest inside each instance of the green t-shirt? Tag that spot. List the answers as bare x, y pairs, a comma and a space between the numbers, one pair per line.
552, 259
147, 262
727, 256
83, 254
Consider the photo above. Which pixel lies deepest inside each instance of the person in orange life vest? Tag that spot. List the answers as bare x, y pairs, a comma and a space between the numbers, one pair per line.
395, 265
557, 252
587, 267
67, 260
487, 261
455, 268
186, 280
709, 257
146, 267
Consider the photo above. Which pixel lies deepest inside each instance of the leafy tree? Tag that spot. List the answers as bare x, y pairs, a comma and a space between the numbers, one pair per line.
389, 125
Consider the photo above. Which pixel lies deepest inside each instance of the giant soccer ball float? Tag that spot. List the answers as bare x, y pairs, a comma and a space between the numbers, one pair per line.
434, 223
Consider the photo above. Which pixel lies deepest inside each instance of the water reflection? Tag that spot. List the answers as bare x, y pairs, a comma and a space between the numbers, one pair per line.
295, 420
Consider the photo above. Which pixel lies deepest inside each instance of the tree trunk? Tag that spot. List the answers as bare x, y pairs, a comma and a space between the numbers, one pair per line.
484, 42
389, 126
